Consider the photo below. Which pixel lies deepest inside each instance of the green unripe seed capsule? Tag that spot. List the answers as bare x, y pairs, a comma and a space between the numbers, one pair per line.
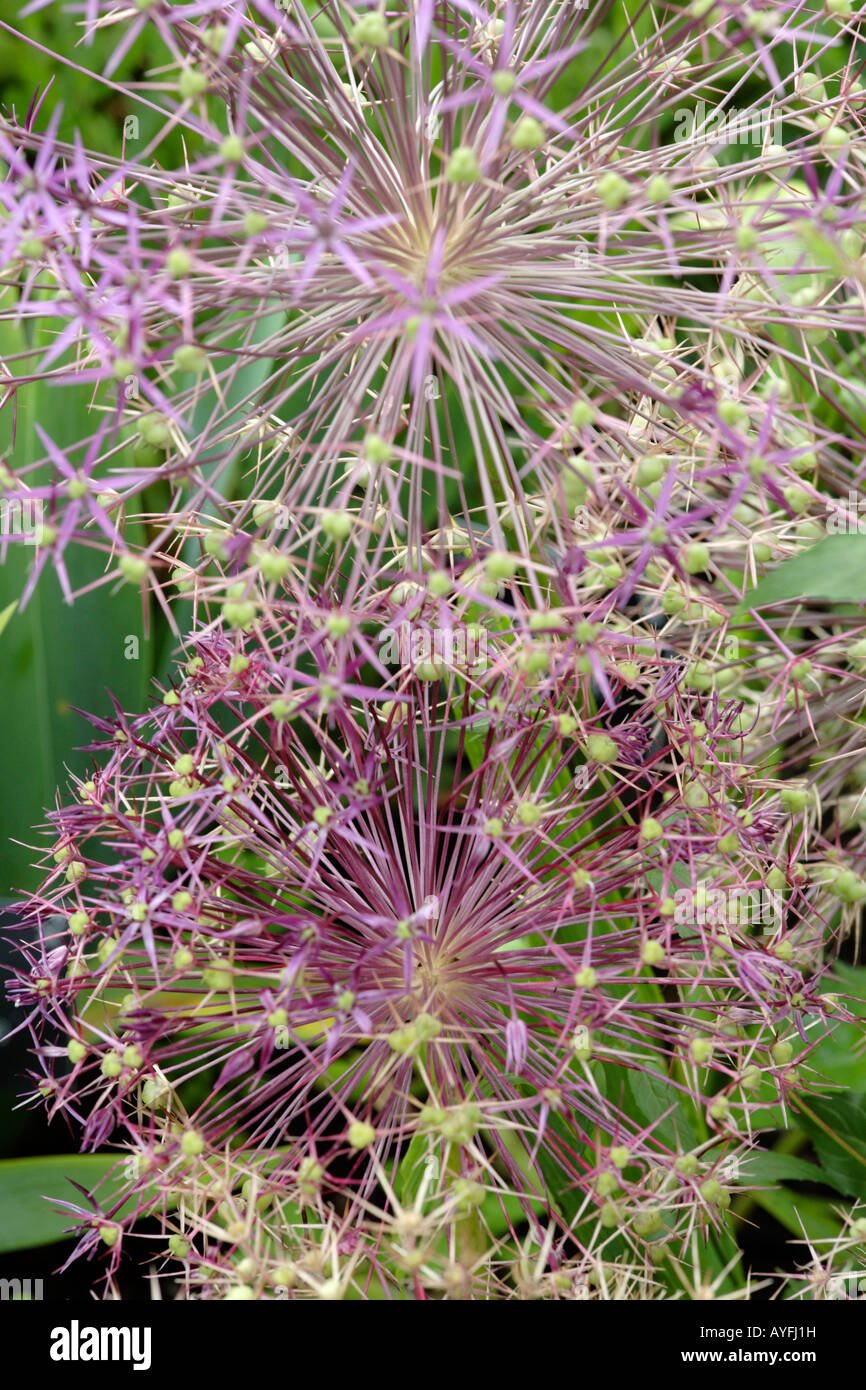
133, 568
217, 977
178, 263
254, 224
602, 748
370, 31
696, 557
232, 149
110, 1234
463, 166
609, 1215
439, 584
337, 525
192, 1144
732, 413
503, 82
189, 358
651, 830
647, 1223
587, 978
178, 1247
797, 499
191, 83
701, 1050
652, 953
528, 134
795, 799
499, 565
360, 1134
650, 469
582, 414
696, 796
239, 614
658, 190
782, 1053
76, 1051
613, 190
468, 1194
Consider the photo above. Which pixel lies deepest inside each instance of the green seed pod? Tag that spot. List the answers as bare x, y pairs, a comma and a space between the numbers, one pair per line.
651, 469
133, 568
696, 557
217, 976
191, 83
232, 149
528, 134
370, 31
613, 190
463, 166
360, 1135
189, 358
337, 525
602, 748
192, 1144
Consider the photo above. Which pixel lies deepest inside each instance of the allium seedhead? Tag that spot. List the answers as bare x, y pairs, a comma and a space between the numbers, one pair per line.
460, 849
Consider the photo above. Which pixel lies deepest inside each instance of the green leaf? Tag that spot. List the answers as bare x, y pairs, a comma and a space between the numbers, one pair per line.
835, 568
837, 1126
53, 658
6, 615
797, 1214
26, 1183
420, 1157
653, 1094
770, 1169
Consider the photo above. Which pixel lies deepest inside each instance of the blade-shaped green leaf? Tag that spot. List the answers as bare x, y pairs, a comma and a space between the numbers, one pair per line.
837, 1126
29, 1185
53, 657
835, 568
